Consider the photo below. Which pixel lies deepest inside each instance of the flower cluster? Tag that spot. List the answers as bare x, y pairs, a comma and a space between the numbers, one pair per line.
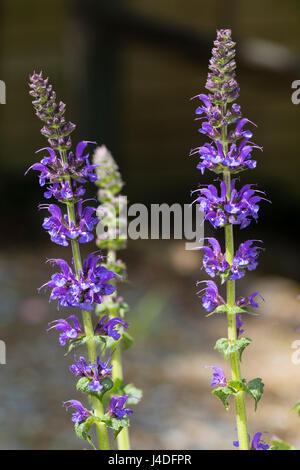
95, 372
62, 230
238, 209
82, 290
245, 259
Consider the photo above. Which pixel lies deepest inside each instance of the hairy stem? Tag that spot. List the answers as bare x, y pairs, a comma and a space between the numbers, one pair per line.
89, 331
117, 372
240, 407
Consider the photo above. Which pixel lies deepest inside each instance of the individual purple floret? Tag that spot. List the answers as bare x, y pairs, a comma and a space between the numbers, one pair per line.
116, 407
256, 444
218, 377
90, 288
238, 210
247, 301
68, 332
239, 324
110, 327
81, 414
61, 230
210, 296
214, 261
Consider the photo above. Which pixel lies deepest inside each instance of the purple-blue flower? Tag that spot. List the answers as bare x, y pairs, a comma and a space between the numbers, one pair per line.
90, 288
256, 444
210, 296
218, 377
248, 301
81, 414
116, 407
68, 332
110, 327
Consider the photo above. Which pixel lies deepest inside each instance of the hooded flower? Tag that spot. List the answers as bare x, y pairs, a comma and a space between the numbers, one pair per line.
67, 331
248, 301
111, 327
81, 414
210, 296
116, 407
218, 377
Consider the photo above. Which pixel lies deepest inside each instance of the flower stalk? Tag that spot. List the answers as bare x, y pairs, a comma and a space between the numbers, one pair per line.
112, 240
229, 153
85, 284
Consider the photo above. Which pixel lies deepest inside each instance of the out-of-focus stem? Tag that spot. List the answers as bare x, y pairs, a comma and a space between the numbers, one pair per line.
117, 371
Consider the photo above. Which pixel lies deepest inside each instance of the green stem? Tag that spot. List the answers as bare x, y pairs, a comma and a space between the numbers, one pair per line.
117, 372
240, 407
89, 331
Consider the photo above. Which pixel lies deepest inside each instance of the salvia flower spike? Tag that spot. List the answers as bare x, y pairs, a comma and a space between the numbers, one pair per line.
229, 151
113, 309
70, 222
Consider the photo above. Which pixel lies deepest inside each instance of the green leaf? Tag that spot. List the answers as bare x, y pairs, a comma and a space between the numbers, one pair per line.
255, 388
115, 423
220, 309
297, 407
82, 429
76, 342
226, 347
135, 393
224, 393
280, 445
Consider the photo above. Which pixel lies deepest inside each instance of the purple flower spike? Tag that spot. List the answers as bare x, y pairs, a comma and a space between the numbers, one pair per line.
110, 327
218, 377
68, 332
256, 444
116, 407
210, 296
81, 414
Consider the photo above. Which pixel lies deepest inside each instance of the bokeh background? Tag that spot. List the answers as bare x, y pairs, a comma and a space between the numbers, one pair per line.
126, 70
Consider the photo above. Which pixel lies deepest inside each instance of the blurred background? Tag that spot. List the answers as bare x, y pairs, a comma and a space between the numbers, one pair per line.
126, 70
